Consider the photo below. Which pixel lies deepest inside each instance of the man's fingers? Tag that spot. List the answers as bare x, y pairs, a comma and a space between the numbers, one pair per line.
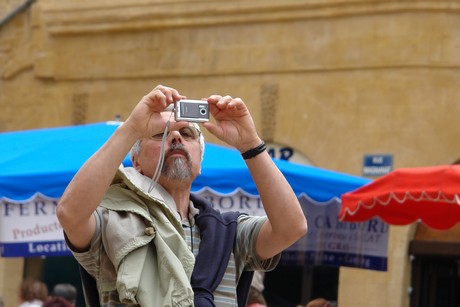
163, 96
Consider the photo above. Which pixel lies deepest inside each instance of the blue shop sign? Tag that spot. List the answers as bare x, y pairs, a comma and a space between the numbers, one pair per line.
377, 165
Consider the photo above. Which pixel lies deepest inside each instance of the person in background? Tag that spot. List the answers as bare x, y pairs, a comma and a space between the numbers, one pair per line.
56, 301
32, 293
66, 291
256, 297
146, 239
319, 302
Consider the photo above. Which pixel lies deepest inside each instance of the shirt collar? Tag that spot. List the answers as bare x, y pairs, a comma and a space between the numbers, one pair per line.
138, 181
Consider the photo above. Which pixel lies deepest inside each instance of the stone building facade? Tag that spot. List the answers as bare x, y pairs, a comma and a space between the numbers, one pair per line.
333, 79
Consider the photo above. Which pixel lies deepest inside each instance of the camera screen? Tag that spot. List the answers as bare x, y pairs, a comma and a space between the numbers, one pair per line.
192, 111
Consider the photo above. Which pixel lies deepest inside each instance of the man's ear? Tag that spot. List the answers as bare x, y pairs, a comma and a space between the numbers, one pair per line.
136, 165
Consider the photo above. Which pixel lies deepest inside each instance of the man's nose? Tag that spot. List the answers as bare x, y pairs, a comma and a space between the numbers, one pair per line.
175, 136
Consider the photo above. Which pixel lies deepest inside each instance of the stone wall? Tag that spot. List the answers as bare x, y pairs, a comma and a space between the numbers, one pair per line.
333, 79
11, 270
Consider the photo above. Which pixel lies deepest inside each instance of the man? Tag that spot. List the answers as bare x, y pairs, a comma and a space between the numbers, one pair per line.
166, 247
319, 302
66, 291
56, 301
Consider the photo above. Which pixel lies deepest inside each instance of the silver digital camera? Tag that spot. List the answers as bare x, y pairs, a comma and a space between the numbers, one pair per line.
191, 111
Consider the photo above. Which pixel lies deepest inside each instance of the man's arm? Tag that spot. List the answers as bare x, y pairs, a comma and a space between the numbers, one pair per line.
286, 222
88, 187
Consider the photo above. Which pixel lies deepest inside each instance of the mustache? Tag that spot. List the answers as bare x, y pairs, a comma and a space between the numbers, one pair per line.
178, 147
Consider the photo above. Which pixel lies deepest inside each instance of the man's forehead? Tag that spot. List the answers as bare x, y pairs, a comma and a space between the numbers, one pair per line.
169, 115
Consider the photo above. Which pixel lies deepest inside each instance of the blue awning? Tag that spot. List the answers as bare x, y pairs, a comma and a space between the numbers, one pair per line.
45, 160
37, 165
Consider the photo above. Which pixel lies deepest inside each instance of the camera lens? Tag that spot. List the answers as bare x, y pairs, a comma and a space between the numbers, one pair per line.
203, 111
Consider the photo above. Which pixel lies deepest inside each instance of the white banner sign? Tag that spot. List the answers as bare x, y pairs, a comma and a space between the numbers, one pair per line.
331, 242
328, 241
31, 229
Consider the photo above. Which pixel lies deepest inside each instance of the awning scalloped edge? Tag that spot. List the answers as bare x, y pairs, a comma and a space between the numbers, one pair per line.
41, 196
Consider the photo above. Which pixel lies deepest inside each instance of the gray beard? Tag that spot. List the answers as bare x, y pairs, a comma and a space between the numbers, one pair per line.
177, 169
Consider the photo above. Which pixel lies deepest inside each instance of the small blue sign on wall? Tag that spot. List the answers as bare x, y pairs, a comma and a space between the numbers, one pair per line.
377, 165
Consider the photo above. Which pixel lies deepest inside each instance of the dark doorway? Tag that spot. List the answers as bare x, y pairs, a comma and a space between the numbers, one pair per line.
54, 270
289, 286
435, 274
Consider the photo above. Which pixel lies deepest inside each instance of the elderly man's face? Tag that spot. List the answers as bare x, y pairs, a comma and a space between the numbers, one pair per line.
182, 160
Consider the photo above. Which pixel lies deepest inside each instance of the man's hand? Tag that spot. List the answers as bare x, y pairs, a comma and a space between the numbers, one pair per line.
145, 119
233, 122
